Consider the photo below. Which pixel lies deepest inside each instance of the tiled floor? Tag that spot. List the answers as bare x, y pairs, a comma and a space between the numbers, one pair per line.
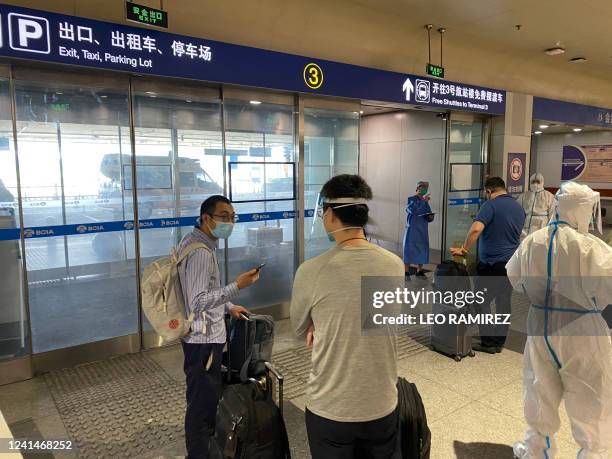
474, 407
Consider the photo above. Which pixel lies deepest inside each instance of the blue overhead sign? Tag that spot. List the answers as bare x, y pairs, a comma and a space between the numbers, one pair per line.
569, 112
50, 37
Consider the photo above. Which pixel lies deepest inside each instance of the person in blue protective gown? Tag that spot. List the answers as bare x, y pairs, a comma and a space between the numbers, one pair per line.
416, 238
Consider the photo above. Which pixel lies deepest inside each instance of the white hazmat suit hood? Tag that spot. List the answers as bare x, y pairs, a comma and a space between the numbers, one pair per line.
538, 204
536, 187
567, 275
576, 204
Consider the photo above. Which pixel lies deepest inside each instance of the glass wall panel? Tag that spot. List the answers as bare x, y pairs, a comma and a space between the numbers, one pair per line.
80, 260
262, 135
331, 147
13, 319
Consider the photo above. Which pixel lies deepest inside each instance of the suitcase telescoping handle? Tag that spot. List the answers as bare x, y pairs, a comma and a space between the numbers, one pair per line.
279, 378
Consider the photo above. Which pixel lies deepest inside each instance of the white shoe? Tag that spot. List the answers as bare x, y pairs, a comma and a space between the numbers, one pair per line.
520, 450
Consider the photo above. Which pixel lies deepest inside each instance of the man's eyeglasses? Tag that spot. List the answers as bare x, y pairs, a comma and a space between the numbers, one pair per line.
233, 218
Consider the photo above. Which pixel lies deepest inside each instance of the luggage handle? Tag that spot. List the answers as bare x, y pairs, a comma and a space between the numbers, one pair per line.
226, 320
275, 371
279, 377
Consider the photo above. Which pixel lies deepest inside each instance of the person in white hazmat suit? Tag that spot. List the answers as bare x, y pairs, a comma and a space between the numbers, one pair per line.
567, 275
538, 203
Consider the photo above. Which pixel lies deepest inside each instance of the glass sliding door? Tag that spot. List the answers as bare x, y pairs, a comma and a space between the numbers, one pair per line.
261, 181
80, 259
86, 168
466, 172
331, 147
179, 163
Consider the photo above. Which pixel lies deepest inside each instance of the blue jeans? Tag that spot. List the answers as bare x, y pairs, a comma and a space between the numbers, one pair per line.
203, 393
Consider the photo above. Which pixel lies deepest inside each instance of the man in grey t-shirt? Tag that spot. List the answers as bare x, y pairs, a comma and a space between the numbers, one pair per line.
351, 403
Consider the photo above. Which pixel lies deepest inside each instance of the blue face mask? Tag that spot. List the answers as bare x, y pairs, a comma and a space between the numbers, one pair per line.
222, 230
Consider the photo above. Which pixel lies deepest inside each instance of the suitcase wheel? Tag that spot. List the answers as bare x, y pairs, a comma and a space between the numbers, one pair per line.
472, 354
457, 358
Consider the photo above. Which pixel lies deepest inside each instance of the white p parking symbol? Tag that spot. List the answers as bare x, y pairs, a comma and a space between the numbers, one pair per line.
29, 33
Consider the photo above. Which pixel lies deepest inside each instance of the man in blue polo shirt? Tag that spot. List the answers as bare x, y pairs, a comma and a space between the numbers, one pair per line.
497, 228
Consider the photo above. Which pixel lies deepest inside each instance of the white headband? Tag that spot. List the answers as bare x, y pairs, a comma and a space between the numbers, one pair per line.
346, 201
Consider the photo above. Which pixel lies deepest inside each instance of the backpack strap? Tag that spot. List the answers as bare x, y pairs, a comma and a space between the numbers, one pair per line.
190, 248
180, 258
244, 371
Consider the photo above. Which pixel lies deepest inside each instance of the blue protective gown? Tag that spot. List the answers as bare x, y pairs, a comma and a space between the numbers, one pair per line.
416, 238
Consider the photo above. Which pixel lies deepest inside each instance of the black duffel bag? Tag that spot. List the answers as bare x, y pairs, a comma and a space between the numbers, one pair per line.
415, 436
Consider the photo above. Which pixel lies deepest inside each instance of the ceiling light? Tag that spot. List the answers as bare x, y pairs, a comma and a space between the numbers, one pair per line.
578, 59
577, 129
555, 51
361, 112
543, 126
188, 100
537, 132
355, 113
255, 102
103, 96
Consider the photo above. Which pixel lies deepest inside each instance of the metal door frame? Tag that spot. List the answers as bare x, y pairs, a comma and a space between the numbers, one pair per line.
25, 367
485, 144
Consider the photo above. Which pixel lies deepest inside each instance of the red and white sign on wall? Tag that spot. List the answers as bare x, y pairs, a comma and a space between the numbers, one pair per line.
515, 175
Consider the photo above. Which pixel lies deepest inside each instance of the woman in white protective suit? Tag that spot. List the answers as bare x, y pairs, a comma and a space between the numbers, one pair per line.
538, 203
567, 275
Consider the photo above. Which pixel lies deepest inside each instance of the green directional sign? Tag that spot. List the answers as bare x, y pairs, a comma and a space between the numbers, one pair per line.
146, 15
435, 70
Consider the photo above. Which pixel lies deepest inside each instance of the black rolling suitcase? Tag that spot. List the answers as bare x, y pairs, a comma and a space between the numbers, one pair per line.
451, 339
414, 433
249, 424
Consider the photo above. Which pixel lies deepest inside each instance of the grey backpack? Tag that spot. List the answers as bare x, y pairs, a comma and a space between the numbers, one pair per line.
250, 346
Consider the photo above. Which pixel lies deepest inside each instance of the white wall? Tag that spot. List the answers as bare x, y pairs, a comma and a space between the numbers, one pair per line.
549, 151
397, 150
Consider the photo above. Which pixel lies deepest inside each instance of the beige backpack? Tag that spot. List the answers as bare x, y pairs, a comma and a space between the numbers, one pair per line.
162, 297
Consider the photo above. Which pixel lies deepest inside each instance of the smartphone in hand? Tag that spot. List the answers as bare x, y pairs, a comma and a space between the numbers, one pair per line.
258, 268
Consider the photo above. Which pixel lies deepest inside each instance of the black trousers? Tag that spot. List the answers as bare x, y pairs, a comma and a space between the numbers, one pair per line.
203, 393
351, 440
495, 279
